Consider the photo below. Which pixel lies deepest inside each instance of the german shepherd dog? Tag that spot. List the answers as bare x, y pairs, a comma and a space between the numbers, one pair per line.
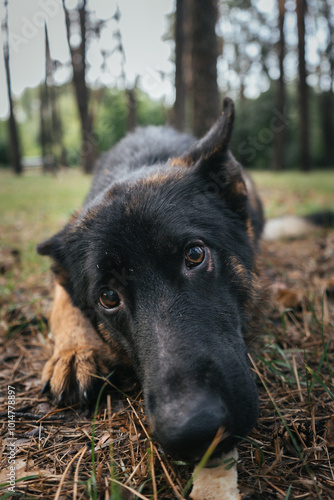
158, 269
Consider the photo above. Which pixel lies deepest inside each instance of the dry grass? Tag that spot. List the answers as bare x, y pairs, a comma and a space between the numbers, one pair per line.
64, 453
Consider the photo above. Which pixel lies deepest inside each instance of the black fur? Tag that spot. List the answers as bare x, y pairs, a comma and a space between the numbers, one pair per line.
183, 328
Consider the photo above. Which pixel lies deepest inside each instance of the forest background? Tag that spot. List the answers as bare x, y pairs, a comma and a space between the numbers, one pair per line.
274, 58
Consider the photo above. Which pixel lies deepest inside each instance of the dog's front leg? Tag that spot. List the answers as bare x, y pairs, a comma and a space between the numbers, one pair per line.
79, 354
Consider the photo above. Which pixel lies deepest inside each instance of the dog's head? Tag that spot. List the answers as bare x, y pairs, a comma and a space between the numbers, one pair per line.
163, 266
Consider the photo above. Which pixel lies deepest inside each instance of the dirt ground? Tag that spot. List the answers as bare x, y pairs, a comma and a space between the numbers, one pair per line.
65, 453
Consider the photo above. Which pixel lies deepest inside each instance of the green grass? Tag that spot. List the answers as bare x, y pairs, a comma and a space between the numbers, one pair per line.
295, 192
34, 195
319, 180
35, 206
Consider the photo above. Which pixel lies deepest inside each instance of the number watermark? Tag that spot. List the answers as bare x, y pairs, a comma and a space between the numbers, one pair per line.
11, 442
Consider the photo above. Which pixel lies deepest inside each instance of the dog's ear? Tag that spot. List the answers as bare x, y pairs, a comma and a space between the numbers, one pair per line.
68, 250
66, 247
58, 249
217, 140
55, 247
51, 247
212, 159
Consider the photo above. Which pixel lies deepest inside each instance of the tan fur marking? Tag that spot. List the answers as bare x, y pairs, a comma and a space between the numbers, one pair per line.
75, 215
238, 267
79, 353
160, 177
156, 178
92, 213
250, 232
119, 353
239, 188
181, 162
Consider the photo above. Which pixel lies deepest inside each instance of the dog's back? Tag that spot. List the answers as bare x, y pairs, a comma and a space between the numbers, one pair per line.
145, 147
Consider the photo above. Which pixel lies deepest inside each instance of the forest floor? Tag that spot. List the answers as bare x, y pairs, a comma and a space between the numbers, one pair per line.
65, 453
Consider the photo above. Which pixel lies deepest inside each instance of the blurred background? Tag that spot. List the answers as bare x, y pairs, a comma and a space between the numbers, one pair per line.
75, 76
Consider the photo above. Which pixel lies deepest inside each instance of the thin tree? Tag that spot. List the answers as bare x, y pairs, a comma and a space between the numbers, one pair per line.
205, 92
56, 126
179, 108
130, 93
56, 130
78, 59
327, 97
131, 120
14, 142
187, 62
280, 132
46, 137
301, 9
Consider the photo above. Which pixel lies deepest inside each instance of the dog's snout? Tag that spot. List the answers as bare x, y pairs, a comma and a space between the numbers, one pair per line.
187, 433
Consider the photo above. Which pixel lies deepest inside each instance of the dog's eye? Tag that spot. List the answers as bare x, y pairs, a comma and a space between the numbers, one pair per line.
109, 299
194, 256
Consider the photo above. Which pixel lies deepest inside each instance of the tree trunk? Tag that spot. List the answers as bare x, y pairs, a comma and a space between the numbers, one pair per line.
43, 134
14, 142
327, 110
55, 125
187, 63
327, 98
301, 7
132, 109
280, 132
57, 129
47, 141
179, 109
78, 57
206, 108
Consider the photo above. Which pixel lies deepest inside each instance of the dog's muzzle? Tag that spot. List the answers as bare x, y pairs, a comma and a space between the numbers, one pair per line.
185, 430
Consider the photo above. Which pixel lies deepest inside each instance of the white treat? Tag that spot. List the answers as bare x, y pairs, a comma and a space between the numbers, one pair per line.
218, 483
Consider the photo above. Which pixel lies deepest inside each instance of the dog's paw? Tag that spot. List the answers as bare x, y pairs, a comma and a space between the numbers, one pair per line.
74, 375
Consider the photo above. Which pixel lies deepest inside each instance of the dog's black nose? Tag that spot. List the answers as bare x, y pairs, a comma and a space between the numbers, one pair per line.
186, 434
